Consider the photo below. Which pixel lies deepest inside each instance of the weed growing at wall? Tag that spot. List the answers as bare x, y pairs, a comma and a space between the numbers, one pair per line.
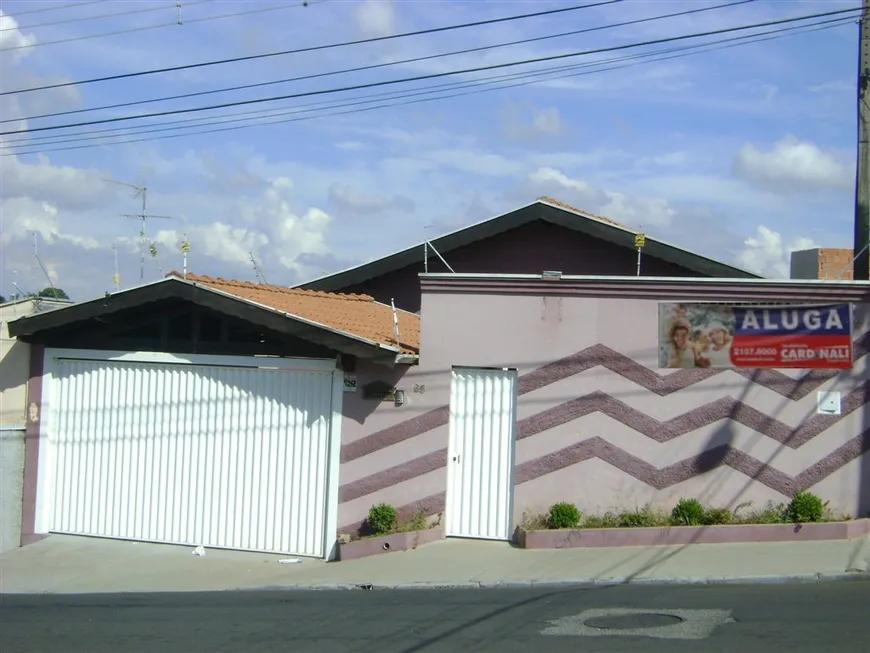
804, 507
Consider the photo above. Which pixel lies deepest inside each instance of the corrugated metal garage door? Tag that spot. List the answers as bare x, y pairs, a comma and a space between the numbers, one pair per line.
233, 457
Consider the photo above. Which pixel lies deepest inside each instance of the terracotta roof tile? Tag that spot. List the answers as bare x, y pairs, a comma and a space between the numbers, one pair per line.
359, 315
573, 209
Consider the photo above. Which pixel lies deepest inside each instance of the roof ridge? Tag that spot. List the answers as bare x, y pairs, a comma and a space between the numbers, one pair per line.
568, 207
269, 287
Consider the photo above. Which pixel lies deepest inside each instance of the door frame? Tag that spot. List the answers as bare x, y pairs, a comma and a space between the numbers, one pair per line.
513, 450
47, 412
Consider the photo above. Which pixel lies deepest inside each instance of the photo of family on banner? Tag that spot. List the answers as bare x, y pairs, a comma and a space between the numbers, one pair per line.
738, 336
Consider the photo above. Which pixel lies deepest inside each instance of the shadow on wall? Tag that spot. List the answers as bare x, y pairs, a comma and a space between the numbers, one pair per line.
14, 372
354, 405
864, 473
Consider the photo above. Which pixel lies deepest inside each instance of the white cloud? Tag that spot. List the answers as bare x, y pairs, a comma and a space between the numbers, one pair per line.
23, 216
376, 18
632, 210
12, 37
545, 122
353, 202
66, 186
792, 165
767, 255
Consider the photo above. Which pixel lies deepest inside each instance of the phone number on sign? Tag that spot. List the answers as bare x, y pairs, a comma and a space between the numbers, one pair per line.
755, 351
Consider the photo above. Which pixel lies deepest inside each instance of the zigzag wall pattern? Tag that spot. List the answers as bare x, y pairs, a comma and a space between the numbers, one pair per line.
663, 385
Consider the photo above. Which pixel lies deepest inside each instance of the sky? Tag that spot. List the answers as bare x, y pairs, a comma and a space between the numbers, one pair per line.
743, 154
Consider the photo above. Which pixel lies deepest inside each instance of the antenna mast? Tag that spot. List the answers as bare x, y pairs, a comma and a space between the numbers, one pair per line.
143, 216
116, 277
42, 267
261, 278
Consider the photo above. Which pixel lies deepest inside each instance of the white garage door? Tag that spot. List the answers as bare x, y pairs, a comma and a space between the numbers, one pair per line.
233, 457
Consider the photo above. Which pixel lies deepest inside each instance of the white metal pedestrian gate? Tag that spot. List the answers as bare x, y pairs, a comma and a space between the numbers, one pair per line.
480, 459
217, 455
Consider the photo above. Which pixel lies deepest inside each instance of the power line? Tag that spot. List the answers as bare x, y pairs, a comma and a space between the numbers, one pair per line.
150, 128
81, 19
376, 66
70, 5
512, 64
303, 3
315, 48
682, 52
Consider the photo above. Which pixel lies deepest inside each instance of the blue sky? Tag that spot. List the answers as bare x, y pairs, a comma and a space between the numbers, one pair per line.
742, 154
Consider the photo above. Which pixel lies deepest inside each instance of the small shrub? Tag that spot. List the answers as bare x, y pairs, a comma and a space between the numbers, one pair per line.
717, 516
687, 512
805, 507
563, 515
641, 518
382, 519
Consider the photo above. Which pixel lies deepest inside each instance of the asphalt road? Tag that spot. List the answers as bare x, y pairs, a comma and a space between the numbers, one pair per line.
800, 618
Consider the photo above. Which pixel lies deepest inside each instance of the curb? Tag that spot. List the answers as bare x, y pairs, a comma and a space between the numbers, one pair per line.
555, 584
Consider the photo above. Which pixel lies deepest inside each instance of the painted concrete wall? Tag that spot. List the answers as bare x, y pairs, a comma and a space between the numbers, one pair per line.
15, 359
11, 475
599, 424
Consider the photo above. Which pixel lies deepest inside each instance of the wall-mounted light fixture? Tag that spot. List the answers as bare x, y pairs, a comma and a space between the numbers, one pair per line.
399, 397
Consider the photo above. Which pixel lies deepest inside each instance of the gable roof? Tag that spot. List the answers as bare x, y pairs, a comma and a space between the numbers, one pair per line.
359, 315
546, 209
353, 324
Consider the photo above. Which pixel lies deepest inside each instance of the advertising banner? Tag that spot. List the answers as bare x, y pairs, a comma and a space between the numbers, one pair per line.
728, 336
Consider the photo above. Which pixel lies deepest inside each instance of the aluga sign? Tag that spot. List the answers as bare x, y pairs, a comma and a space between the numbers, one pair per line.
722, 336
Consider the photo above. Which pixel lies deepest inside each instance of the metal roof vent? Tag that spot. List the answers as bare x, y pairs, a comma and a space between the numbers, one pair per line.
551, 274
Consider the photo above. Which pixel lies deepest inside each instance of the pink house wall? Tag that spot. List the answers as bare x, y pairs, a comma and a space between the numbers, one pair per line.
598, 423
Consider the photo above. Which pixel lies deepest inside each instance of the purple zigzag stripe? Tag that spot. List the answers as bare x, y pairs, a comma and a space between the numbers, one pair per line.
627, 368
722, 455
724, 408
721, 409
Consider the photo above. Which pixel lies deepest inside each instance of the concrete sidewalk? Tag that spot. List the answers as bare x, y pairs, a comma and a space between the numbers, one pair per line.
66, 564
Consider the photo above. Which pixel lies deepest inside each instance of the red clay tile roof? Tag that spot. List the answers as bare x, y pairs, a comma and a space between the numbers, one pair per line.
568, 207
358, 315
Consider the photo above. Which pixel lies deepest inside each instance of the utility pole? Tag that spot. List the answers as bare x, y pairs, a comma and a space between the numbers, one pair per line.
861, 252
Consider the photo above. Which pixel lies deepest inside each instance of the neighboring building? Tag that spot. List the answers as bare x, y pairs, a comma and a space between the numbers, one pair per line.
198, 410
822, 263
544, 235
14, 371
237, 415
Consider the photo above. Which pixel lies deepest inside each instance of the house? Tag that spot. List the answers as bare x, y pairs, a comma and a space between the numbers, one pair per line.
822, 263
198, 410
544, 235
14, 371
205, 411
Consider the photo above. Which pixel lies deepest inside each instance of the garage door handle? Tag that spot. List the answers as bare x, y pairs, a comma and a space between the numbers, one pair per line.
456, 459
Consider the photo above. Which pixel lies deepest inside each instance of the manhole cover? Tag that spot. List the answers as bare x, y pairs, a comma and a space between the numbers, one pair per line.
633, 621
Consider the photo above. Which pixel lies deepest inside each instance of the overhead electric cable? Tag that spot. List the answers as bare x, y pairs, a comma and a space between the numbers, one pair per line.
316, 48
81, 19
374, 66
390, 82
682, 52
303, 3
69, 5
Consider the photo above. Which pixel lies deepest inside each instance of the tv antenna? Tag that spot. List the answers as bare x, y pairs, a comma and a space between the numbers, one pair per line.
143, 217
42, 267
261, 278
116, 277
